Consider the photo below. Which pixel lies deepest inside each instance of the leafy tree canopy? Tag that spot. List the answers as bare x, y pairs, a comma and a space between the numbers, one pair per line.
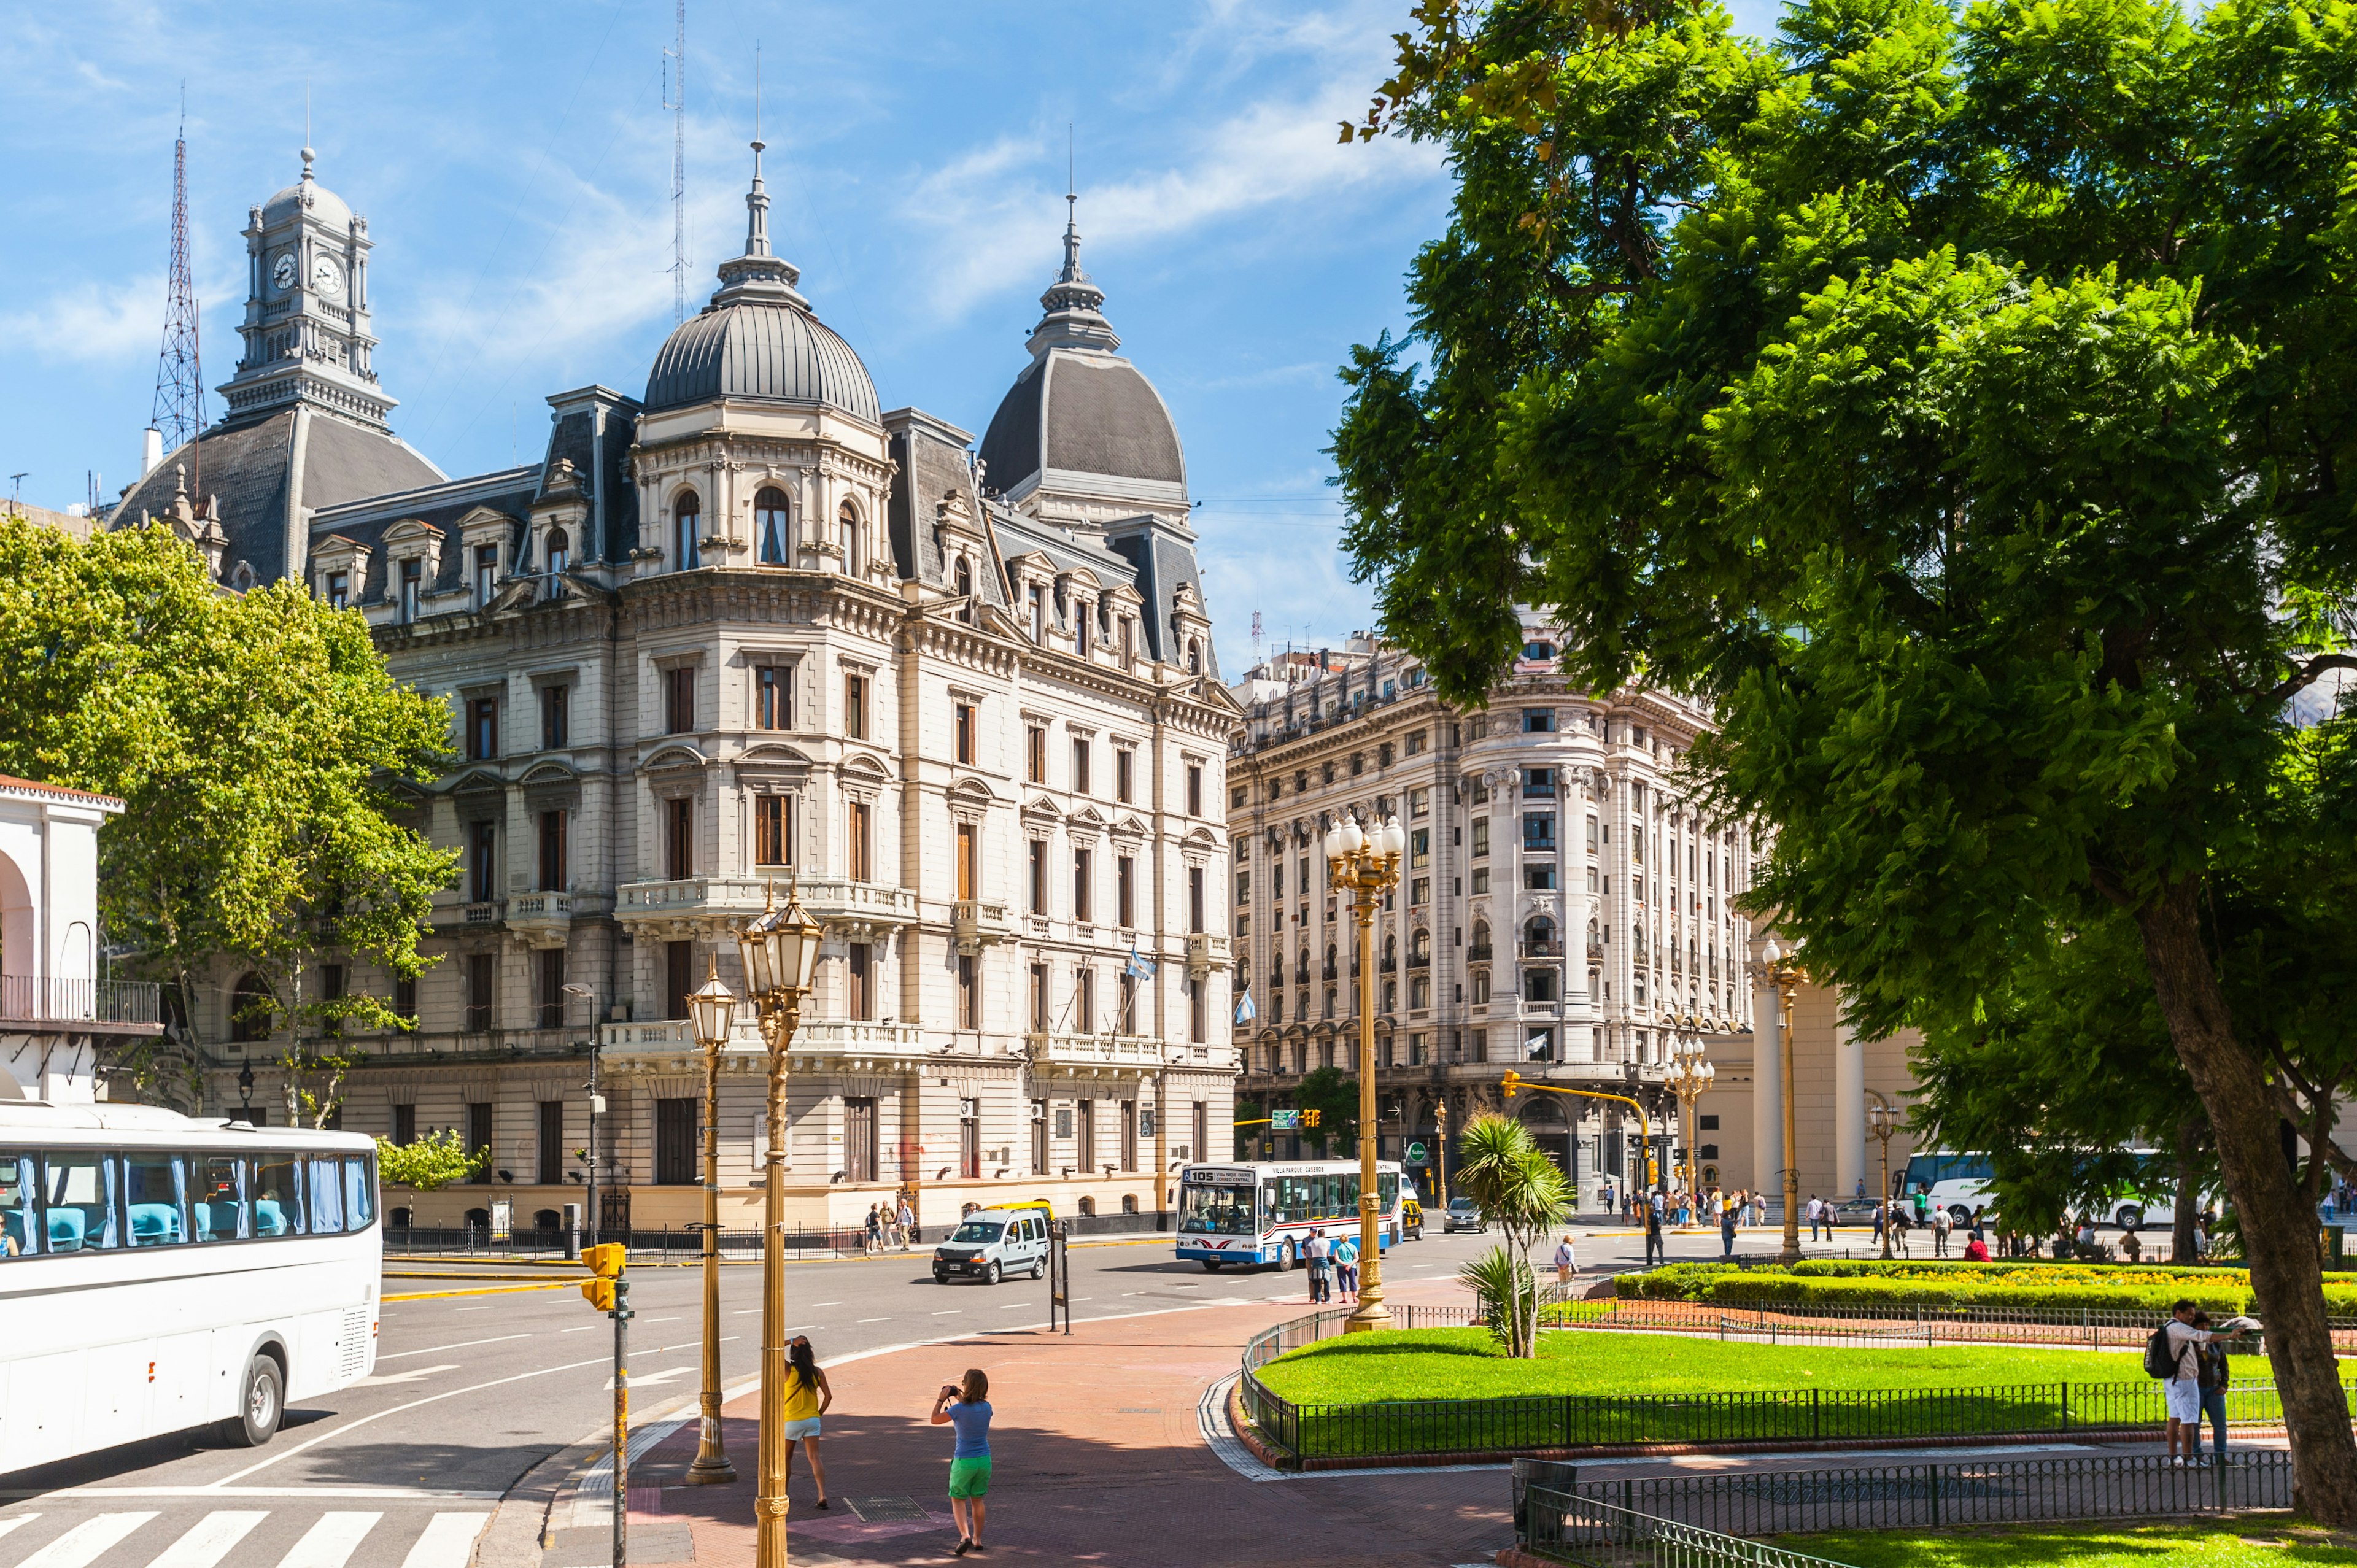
1334, 1095
252, 738
434, 1161
1957, 402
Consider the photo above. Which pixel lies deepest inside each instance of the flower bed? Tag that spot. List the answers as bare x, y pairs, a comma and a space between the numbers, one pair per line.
2047, 1287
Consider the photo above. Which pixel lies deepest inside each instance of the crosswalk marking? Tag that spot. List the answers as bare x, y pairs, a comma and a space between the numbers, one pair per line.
329, 1542
211, 1539
85, 1543
17, 1522
447, 1542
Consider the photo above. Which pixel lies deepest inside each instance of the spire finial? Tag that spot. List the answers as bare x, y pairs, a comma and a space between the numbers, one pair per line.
1074, 305
758, 273
307, 153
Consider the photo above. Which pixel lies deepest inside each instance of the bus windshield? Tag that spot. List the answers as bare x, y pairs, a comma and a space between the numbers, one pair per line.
1926, 1171
1209, 1210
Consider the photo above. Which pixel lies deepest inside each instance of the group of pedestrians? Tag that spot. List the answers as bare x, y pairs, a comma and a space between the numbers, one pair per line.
891, 1229
965, 1404
1332, 1262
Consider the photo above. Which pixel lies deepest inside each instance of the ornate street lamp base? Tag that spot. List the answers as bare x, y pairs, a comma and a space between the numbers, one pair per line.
1370, 1316
718, 1473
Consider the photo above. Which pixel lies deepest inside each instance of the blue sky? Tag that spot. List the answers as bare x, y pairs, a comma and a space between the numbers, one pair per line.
514, 165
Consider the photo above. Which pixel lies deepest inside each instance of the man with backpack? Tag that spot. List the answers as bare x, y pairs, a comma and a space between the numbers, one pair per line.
2173, 1354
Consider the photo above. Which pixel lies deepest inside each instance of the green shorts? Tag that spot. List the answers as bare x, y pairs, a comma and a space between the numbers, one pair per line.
970, 1477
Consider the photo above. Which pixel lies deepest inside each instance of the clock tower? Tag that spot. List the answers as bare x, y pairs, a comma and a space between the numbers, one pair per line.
307, 314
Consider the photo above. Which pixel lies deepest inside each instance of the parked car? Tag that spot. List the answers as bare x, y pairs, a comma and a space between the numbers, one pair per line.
991, 1243
1411, 1218
1464, 1214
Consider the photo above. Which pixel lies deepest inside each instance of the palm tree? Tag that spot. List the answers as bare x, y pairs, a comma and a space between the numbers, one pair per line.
1519, 1190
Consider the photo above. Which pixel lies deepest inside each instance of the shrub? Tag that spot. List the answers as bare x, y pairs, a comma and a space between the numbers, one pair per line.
2063, 1287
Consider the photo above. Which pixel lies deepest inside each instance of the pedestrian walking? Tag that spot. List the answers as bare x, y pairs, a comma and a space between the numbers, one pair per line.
1943, 1223
1726, 1233
1346, 1267
1818, 1219
965, 1404
807, 1397
1566, 1263
906, 1225
875, 1228
1656, 1251
1319, 1253
1861, 1188
2214, 1378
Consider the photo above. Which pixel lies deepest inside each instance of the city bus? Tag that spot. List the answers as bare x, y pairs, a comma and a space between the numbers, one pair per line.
1261, 1212
160, 1273
1960, 1183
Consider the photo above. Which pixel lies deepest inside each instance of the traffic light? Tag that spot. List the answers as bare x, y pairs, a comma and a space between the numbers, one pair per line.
1510, 1082
606, 1265
1309, 1118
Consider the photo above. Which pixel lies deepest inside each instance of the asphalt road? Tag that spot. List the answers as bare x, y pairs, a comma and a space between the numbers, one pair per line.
471, 1391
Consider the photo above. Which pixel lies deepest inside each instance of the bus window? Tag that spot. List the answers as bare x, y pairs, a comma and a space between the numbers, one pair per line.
78, 1201
218, 1199
326, 1193
1388, 1185
153, 1188
359, 1193
277, 1199
15, 1205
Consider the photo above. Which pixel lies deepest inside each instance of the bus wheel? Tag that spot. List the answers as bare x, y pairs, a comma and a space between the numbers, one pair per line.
2130, 1215
1212, 1265
1285, 1258
260, 1401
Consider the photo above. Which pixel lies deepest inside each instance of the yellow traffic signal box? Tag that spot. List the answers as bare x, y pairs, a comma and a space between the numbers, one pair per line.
606, 1264
1510, 1082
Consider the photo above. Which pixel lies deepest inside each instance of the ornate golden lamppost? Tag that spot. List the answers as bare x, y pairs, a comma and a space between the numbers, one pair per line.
1885, 1120
1783, 971
1688, 1077
779, 948
712, 1007
1366, 861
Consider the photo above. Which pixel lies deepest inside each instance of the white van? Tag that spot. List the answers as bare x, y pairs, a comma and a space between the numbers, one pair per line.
991, 1243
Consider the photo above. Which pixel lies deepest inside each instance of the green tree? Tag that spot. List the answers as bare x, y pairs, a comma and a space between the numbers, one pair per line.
1519, 1190
434, 1161
1959, 403
1334, 1095
253, 739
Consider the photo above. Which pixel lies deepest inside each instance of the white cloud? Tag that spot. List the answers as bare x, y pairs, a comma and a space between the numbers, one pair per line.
90, 322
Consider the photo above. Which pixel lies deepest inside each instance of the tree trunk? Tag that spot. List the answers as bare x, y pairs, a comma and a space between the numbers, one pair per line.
2279, 1228
2180, 1236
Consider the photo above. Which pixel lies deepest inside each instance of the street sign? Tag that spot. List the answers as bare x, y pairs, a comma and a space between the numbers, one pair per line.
1415, 1153
1285, 1121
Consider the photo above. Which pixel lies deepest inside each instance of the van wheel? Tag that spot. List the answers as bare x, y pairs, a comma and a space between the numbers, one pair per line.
940, 1276
1038, 1268
261, 1402
1212, 1265
990, 1272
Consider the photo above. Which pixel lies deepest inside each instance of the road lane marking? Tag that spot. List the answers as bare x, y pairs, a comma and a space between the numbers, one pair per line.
583, 1329
875, 1320
485, 1307
447, 1542
826, 1304
211, 1539
331, 1542
675, 1318
951, 1312
461, 1345
383, 1378
87, 1541
18, 1522
279, 1494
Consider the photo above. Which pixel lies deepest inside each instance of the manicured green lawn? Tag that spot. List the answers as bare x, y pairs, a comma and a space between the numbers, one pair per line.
2247, 1543
1464, 1363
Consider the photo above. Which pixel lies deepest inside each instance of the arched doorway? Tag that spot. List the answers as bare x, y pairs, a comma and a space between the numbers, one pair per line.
1551, 1131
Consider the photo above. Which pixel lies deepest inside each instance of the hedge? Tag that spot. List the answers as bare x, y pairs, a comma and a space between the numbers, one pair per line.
2053, 1288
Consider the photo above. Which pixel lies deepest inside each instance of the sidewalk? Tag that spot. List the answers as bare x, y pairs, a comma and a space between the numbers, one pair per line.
1098, 1458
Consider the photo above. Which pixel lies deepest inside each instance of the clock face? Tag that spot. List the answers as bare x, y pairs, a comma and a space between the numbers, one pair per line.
282, 271
325, 276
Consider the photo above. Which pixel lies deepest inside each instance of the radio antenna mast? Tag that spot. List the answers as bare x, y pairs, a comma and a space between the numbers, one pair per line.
180, 409
676, 100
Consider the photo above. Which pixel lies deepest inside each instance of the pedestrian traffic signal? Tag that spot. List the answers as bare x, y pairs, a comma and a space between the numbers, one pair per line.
1510, 1082
606, 1264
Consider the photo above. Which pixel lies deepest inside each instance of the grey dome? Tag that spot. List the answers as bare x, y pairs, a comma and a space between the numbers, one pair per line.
307, 195
1082, 411
755, 351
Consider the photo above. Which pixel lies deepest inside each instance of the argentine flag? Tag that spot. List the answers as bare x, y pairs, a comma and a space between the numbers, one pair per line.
1245, 1011
1141, 968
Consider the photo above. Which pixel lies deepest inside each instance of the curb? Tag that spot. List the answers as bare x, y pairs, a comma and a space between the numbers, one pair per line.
488, 1290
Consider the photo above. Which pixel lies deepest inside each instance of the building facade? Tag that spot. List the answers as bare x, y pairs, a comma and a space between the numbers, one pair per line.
752, 632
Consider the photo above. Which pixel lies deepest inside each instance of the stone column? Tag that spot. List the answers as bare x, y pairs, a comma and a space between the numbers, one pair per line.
1767, 1089
1849, 1109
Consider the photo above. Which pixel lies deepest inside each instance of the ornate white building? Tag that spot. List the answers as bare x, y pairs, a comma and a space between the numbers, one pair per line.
751, 629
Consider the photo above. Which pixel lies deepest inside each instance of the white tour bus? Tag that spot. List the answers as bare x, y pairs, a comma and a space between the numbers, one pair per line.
1959, 1183
1258, 1212
159, 1273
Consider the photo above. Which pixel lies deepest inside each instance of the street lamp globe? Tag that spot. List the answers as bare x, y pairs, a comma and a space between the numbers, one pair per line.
1395, 839
1354, 837
1771, 953
713, 1006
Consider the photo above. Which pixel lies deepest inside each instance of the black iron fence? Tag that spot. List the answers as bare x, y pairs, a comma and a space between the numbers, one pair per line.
1402, 1428
1851, 1323
48, 998
1572, 1529
1558, 1515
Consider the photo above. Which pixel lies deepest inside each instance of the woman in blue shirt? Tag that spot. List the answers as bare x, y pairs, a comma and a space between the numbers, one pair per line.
965, 1404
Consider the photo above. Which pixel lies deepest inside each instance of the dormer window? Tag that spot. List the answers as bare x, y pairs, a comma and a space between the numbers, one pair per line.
340, 590
687, 521
412, 583
560, 559
1194, 657
487, 575
1039, 615
965, 589
1080, 624
850, 521
769, 527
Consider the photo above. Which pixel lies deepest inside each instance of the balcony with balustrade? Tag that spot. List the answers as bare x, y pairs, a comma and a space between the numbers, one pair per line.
50, 1003
1206, 951
978, 923
820, 1045
1103, 1056
545, 920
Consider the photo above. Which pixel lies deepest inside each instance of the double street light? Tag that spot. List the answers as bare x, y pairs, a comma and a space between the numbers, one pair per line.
1366, 861
1782, 968
1689, 1077
779, 948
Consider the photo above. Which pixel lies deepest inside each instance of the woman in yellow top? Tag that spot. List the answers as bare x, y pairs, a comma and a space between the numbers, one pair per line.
807, 1397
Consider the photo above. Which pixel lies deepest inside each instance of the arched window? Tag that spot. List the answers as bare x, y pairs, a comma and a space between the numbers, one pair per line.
1419, 946
965, 589
769, 523
687, 526
850, 520
560, 557
1391, 951
1481, 948
1538, 936
250, 1011
1194, 657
